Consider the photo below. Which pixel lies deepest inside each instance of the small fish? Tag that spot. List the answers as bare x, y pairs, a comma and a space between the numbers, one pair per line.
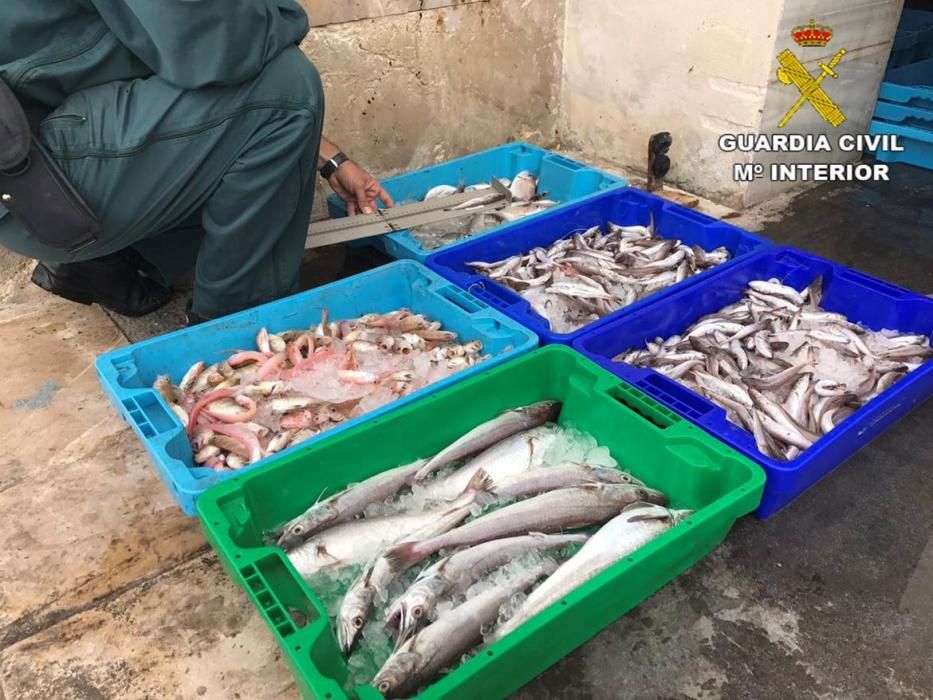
589, 274
523, 186
440, 191
805, 369
187, 381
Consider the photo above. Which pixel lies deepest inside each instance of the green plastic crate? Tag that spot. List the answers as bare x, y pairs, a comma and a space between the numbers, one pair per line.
654, 444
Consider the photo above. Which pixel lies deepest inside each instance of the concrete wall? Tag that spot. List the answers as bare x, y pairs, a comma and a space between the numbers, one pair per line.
695, 69
865, 30
324, 12
700, 69
407, 86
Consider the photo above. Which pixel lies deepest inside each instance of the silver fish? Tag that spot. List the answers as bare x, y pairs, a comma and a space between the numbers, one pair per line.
426, 654
627, 532
485, 435
508, 457
563, 509
357, 603
779, 348
560, 476
346, 504
361, 541
456, 572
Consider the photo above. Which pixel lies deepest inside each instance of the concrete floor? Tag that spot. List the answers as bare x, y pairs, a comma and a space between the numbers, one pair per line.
108, 591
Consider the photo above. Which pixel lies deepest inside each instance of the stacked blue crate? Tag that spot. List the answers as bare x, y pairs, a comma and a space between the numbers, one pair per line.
905, 109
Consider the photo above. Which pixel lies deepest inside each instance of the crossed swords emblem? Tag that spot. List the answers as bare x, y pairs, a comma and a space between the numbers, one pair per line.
793, 71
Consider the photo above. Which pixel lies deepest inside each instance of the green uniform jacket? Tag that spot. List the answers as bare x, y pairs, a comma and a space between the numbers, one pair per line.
190, 127
50, 49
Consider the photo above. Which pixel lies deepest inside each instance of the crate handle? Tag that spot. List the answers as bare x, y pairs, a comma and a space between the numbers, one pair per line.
493, 294
693, 406
563, 162
647, 408
276, 612
147, 412
880, 286
461, 299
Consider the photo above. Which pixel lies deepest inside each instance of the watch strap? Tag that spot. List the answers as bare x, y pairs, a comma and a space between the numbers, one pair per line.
330, 167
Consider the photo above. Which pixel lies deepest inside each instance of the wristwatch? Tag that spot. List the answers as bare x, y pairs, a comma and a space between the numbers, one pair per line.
330, 167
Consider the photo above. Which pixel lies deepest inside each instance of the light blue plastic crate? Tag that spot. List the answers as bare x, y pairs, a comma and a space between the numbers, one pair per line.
910, 85
905, 108
564, 180
917, 143
127, 374
903, 115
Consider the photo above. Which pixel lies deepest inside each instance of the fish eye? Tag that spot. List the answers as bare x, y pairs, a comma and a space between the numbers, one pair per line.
358, 622
417, 611
298, 529
385, 687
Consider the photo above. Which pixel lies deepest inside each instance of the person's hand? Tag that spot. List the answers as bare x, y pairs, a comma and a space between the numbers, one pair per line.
358, 189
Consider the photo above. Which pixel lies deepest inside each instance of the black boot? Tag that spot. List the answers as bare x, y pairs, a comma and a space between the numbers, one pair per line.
192, 318
113, 281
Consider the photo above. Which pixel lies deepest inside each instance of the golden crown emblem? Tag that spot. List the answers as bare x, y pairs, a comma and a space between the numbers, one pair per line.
813, 34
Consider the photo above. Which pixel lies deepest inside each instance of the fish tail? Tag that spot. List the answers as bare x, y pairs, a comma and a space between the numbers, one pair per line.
480, 485
403, 556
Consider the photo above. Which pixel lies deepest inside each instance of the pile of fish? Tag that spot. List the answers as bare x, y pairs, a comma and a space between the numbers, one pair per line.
589, 274
301, 382
522, 195
440, 554
783, 368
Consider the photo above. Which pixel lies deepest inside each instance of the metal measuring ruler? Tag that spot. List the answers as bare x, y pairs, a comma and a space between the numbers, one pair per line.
404, 217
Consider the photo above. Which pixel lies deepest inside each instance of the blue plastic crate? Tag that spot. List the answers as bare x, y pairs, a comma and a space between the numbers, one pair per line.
917, 144
904, 115
914, 39
626, 207
127, 373
910, 85
863, 299
905, 108
564, 180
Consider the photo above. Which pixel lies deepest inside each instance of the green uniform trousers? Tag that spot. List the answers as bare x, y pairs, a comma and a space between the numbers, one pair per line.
219, 177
